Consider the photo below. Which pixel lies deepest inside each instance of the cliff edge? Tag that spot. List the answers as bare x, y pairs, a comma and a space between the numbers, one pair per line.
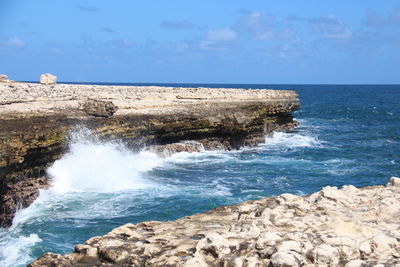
334, 227
36, 121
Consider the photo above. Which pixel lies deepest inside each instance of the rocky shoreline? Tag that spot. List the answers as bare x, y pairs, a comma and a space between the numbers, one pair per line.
37, 119
333, 227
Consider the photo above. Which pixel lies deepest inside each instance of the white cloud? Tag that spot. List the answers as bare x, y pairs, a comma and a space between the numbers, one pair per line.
262, 27
221, 35
15, 42
330, 27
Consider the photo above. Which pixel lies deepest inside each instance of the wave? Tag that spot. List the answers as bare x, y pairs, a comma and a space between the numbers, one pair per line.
281, 140
96, 180
101, 167
15, 251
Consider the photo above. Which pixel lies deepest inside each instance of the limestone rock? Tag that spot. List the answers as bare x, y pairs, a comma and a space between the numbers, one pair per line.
48, 79
4, 78
287, 259
344, 228
98, 108
394, 181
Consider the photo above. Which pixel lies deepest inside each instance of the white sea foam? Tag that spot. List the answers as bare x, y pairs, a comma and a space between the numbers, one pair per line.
14, 251
101, 167
291, 140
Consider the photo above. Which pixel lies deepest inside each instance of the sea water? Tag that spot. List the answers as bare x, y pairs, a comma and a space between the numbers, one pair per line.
348, 134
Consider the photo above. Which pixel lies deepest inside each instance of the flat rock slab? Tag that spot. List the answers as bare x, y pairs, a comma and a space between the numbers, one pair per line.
333, 227
31, 99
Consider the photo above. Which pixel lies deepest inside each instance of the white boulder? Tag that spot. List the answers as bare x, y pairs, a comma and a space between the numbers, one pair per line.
48, 79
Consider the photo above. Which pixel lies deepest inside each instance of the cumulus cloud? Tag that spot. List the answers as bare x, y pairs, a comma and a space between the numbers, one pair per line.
218, 39
254, 24
14, 42
176, 24
329, 27
87, 8
262, 27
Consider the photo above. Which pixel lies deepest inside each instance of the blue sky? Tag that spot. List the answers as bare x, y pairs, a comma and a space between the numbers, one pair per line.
209, 41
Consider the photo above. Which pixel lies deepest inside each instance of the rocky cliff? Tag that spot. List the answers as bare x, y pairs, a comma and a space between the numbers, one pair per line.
334, 227
36, 119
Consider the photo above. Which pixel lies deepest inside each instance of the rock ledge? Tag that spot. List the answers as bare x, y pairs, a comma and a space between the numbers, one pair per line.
333, 227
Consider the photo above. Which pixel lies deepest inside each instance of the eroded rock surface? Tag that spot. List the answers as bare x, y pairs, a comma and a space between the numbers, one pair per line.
333, 227
36, 119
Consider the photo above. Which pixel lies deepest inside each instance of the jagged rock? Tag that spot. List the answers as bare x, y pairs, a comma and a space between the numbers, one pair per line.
169, 149
19, 195
344, 228
98, 108
48, 79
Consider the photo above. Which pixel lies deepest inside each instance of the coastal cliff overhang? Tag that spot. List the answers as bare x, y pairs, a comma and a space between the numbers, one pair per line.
36, 122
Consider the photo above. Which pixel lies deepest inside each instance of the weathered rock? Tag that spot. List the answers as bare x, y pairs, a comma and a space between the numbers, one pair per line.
98, 108
36, 119
19, 195
344, 228
169, 149
48, 79
4, 79
287, 259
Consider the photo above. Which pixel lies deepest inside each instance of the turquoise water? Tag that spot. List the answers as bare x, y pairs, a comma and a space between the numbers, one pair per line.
349, 134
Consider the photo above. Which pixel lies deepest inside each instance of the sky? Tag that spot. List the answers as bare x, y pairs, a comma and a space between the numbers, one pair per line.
208, 41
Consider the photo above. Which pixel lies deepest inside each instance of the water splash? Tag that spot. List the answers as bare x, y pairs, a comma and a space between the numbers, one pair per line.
14, 250
91, 165
291, 140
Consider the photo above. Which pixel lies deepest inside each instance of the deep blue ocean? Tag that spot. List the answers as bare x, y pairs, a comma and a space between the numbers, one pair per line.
348, 134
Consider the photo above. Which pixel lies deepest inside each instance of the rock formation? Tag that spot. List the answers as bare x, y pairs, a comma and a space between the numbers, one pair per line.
98, 108
48, 79
334, 227
36, 119
4, 78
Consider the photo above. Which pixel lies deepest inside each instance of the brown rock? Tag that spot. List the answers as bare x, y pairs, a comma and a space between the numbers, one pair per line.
19, 195
98, 108
169, 149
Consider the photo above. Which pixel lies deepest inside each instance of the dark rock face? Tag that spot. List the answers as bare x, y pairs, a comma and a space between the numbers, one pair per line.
98, 108
19, 195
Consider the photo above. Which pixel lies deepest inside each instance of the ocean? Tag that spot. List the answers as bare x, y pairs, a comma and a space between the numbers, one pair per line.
348, 134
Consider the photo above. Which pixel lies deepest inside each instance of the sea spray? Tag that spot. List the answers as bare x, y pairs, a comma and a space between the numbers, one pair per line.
101, 167
88, 182
15, 248
291, 140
